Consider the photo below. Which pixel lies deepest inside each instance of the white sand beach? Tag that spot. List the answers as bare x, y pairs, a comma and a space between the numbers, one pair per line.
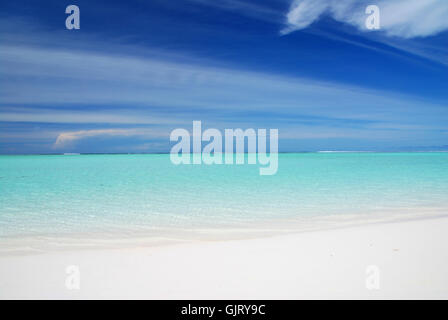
410, 256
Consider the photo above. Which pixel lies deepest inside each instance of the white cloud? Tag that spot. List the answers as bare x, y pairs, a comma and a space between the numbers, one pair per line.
401, 18
66, 138
303, 13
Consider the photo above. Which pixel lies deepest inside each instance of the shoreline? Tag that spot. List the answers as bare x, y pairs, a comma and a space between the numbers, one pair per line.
411, 256
128, 238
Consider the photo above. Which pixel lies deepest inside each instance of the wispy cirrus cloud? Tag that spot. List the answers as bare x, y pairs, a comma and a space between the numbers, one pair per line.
64, 115
84, 77
139, 91
400, 18
247, 8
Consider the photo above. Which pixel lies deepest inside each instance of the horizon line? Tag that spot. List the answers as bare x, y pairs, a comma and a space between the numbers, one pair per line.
155, 153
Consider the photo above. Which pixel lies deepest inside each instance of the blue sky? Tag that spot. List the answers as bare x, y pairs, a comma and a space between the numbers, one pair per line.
138, 69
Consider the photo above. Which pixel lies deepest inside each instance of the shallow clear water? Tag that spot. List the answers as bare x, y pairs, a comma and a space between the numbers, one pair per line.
62, 195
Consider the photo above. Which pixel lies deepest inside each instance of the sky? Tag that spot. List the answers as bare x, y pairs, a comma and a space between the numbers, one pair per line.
136, 70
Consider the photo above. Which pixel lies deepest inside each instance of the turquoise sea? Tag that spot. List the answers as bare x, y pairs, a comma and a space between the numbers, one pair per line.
115, 196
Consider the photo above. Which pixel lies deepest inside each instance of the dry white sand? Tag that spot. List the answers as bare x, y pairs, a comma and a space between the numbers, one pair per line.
411, 257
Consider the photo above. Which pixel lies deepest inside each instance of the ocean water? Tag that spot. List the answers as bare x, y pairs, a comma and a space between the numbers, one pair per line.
59, 196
